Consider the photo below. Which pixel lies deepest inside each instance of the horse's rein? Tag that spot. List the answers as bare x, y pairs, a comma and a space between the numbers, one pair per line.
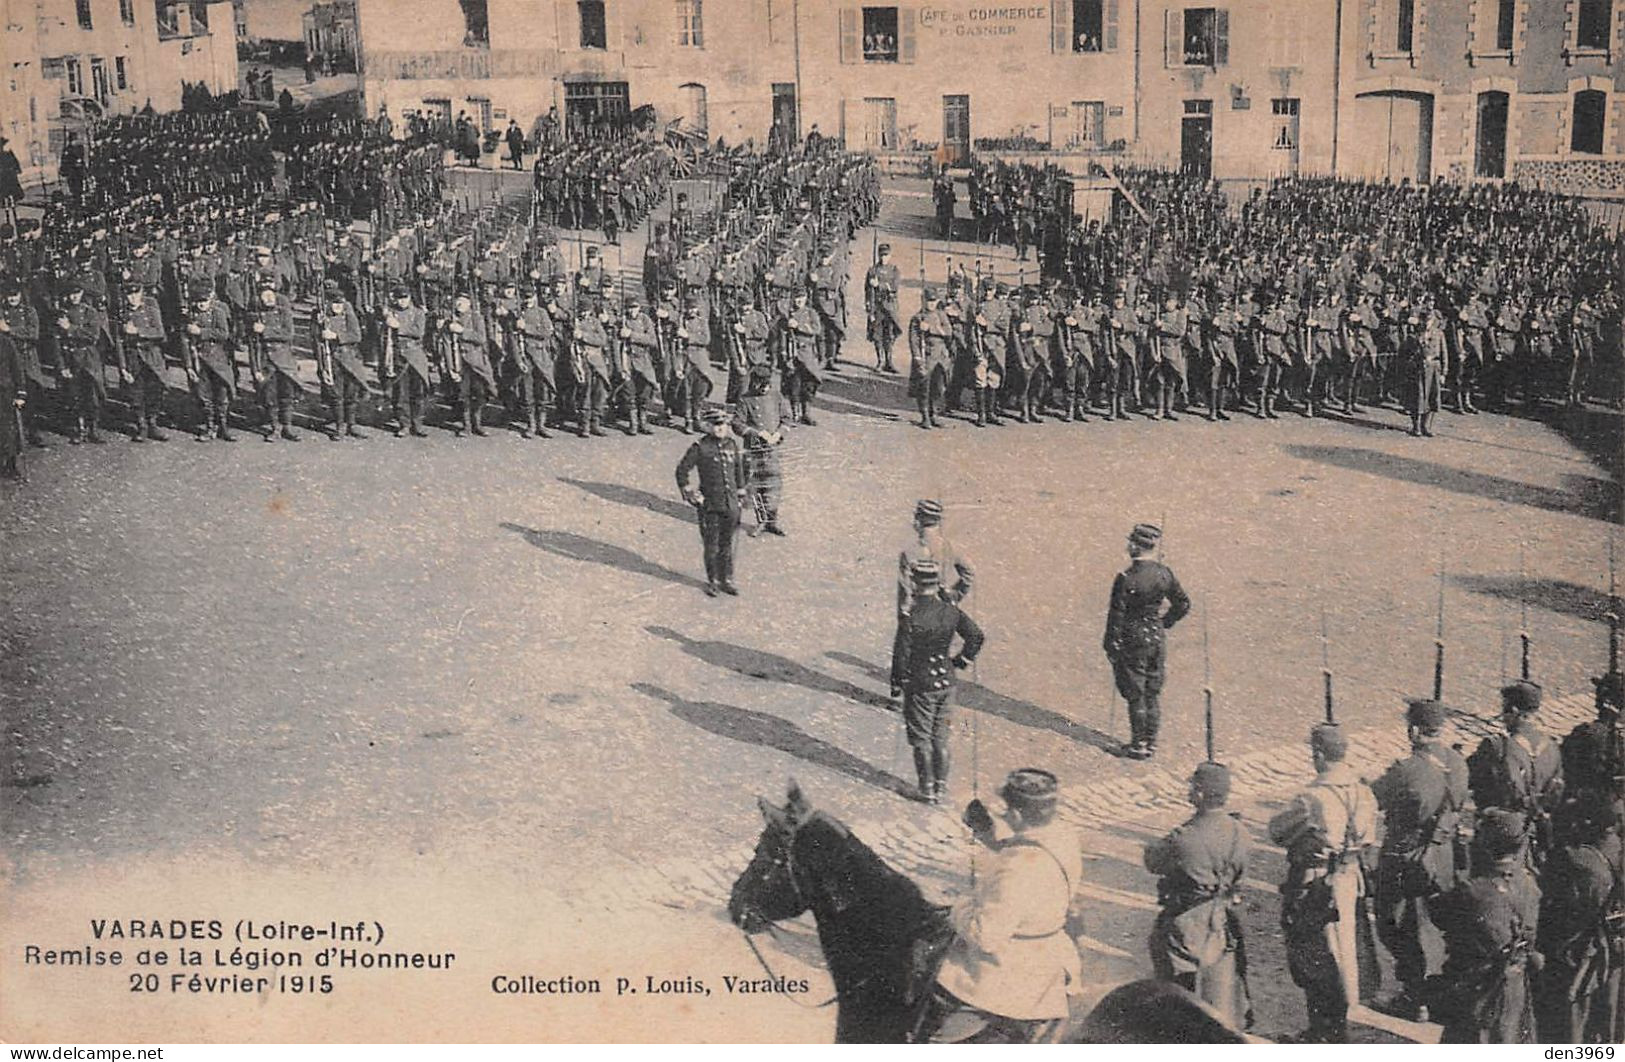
790, 868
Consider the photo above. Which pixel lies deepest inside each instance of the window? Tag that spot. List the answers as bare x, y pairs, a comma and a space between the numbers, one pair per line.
1593, 30
1590, 110
1405, 26
1088, 25
126, 11
880, 35
690, 26
1198, 108
121, 74
482, 112
476, 24
1506, 12
76, 77
594, 30
1285, 114
169, 22
1198, 36
82, 8
200, 18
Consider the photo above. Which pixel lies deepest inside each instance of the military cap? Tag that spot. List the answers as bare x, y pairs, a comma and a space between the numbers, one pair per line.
1329, 740
928, 511
198, 288
1147, 535
400, 291
933, 295
1610, 690
1030, 787
1522, 697
331, 289
715, 415
925, 573
592, 251
1501, 832
1212, 780
1001, 289
885, 248
1425, 713
692, 299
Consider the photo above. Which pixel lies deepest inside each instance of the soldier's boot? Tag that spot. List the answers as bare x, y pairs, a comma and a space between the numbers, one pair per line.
222, 431
1167, 403
476, 425
595, 425
643, 421
1467, 400
631, 426
527, 427
925, 416
349, 426
1416, 424
152, 430
337, 433
991, 397
1068, 408
1215, 403
981, 408
1219, 397
1427, 425
928, 781
583, 423
287, 426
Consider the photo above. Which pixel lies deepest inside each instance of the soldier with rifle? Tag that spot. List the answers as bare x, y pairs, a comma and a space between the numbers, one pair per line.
1122, 330
1520, 770
534, 346
1167, 367
829, 299
1329, 832
1032, 347
141, 362
690, 383
1489, 923
640, 360
468, 362
589, 367
20, 321
990, 336
81, 337
929, 333
1423, 857
1581, 934
338, 338
800, 332
406, 361
1225, 330
748, 338
207, 359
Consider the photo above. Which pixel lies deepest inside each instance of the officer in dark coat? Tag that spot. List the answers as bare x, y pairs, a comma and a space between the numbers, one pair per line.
534, 344
339, 330
143, 362
1197, 940
1520, 770
1421, 798
1582, 925
1593, 754
82, 332
1135, 640
927, 669
880, 288
1490, 924
21, 323
274, 364
720, 463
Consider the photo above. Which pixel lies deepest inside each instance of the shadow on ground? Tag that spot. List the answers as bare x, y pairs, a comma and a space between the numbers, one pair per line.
769, 731
757, 664
590, 550
634, 498
1554, 595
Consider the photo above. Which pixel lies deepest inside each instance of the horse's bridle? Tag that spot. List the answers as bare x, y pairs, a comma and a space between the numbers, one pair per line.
788, 862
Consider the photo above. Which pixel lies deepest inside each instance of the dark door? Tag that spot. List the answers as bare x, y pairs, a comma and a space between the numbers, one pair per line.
1196, 139
786, 127
955, 129
1490, 160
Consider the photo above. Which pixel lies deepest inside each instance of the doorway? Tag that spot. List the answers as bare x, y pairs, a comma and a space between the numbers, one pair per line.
1196, 139
786, 122
955, 130
1490, 156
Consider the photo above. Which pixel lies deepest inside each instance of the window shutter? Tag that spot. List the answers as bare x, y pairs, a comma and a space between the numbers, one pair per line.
1060, 26
1221, 37
849, 34
907, 18
1111, 26
1173, 44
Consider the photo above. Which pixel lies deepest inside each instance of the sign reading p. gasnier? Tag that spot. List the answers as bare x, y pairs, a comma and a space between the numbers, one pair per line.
980, 21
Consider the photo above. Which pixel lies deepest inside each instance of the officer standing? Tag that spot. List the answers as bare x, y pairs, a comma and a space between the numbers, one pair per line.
928, 542
1136, 641
928, 334
926, 670
209, 365
880, 287
1489, 925
719, 462
1329, 832
82, 331
1421, 798
1580, 934
1012, 964
1593, 753
1197, 939
143, 361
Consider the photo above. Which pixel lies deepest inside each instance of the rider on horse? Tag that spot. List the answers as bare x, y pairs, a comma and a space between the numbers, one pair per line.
1013, 962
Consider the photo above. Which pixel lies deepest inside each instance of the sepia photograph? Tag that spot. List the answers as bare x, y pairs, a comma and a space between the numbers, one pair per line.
780, 521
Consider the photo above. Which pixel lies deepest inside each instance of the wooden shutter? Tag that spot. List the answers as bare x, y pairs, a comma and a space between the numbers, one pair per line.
1221, 37
1060, 26
907, 19
849, 35
1173, 33
1110, 19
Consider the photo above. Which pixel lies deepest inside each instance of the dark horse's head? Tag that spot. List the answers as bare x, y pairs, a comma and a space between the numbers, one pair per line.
871, 920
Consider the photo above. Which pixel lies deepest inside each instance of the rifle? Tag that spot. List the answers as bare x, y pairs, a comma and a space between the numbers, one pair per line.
324, 354
1438, 640
1523, 619
1326, 670
1207, 687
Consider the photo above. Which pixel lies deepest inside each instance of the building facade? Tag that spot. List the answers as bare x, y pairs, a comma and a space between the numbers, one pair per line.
329, 29
921, 77
68, 60
1525, 90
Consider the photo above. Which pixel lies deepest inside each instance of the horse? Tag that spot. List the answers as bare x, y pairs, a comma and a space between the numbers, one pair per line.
884, 941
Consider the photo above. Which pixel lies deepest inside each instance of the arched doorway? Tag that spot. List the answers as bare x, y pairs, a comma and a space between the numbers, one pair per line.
695, 118
1398, 127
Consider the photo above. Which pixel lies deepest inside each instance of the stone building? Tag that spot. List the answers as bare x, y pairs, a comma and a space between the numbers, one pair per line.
67, 60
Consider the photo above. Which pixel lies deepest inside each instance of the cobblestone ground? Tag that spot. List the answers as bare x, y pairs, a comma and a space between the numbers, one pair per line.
473, 684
